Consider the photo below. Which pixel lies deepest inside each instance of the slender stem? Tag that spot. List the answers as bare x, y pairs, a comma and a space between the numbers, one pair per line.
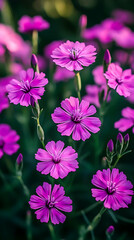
35, 42
77, 80
51, 229
124, 219
28, 223
88, 209
96, 220
117, 160
25, 188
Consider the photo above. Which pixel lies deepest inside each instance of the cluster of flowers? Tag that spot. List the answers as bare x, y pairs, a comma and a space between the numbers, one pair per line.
74, 117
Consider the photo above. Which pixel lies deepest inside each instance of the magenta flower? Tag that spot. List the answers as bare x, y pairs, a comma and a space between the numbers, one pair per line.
123, 16
93, 92
75, 118
74, 55
8, 139
28, 89
3, 102
28, 24
113, 188
127, 121
98, 74
62, 74
56, 161
48, 202
119, 79
50, 47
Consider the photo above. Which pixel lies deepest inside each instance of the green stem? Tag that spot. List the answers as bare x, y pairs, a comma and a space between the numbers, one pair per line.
25, 188
35, 42
96, 220
88, 209
77, 80
124, 219
28, 223
51, 229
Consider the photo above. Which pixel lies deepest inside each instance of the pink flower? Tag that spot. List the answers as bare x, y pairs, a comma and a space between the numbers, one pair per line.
123, 16
92, 95
103, 31
93, 92
3, 102
62, 74
48, 202
119, 79
56, 161
113, 188
127, 121
74, 55
75, 118
8, 139
50, 47
98, 74
28, 24
124, 38
28, 89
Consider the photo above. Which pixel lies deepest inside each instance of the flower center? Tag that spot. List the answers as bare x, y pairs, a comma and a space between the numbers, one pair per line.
118, 81
26, 86
76, 116
49, 204
110, 187
1, 143
56, 159
73, 54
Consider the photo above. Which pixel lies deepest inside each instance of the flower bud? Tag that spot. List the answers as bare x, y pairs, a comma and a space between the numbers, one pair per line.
34, 63
110, 229
19, 159
120, 137
106, 60
107, 57
40, 133
19, 165
83, 21
110, 145
126, 138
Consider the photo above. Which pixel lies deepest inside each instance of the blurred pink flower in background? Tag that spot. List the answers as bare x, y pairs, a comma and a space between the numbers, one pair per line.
124, 37
113, 188
48, 202
120, 80
56, 160
103, 31
28, 24
8, 139
16, 45
75, 118
127, 121
62, 74
4, 103
123, 16
121, 56
28, 89
98, 74
50, 47
74, 55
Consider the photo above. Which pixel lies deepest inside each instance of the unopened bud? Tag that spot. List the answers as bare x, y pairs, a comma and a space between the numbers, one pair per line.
106, 60
126, 138
34, 63
110, 229
83, 21
19, 164
110, 145
120, 137
40, 133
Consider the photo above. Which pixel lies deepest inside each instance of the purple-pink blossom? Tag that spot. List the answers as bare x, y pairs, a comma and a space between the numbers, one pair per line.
62, 74
120, 80
28, 24
8, 140
98, 74
74, 55
56, 160
113, 188
28, 89
127, 121
76, 118
49, 203
4, 103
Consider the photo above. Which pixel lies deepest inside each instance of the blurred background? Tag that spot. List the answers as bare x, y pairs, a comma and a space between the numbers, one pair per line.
15, 54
